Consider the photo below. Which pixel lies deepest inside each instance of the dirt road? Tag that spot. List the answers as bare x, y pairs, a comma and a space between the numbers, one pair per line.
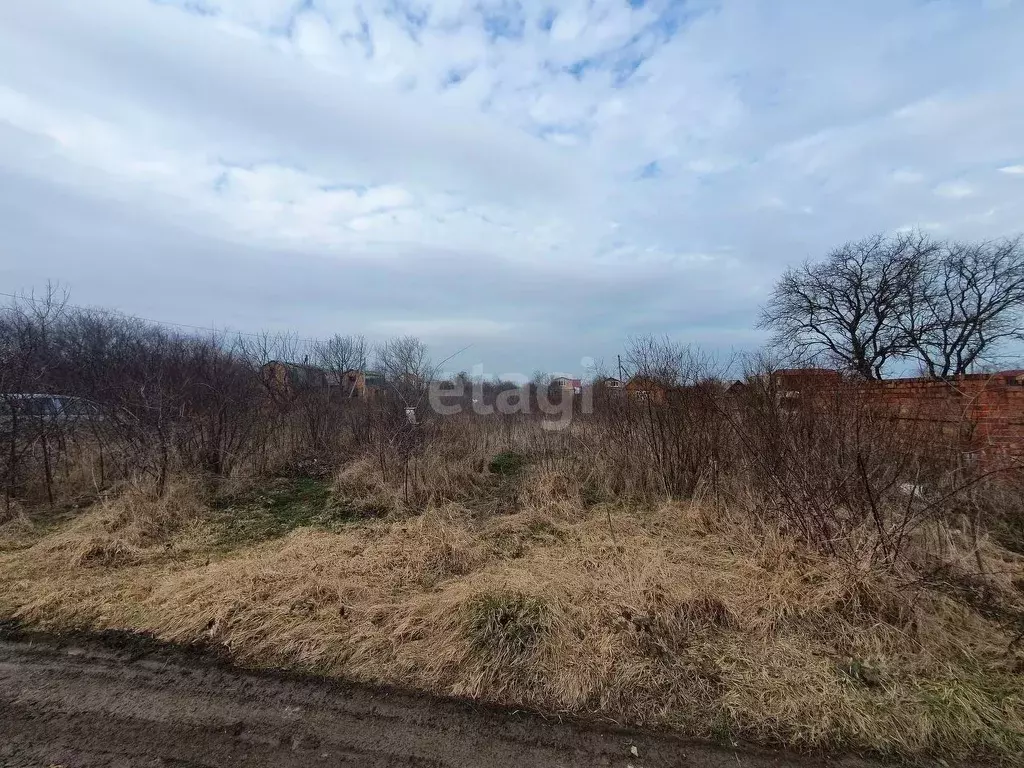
91, 703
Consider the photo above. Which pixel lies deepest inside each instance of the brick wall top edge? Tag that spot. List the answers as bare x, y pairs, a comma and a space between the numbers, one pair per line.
971, 377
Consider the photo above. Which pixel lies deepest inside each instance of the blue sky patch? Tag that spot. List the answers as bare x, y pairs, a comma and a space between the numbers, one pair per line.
651, 170
509, 21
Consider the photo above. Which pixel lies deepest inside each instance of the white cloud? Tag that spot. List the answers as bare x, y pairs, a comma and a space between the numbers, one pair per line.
386, 133
907, 176
954, 190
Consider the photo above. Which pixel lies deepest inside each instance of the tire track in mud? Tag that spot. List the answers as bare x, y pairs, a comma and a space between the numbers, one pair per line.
84, 702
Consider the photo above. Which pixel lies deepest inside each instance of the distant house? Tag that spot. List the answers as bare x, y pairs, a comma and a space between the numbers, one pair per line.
736, 388
802, 378
566, 384
289, 378
359, 383
281, 377
647, 388
609, 386
408, 380
1013, 376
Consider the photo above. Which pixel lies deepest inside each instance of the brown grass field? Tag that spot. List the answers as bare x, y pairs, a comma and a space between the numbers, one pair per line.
551, 587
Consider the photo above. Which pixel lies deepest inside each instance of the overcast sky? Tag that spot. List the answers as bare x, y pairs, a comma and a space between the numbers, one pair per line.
536, 179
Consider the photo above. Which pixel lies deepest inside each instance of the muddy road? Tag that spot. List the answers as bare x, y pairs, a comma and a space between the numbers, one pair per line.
83, 703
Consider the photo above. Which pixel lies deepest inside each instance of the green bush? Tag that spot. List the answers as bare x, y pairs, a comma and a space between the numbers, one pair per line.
507, 463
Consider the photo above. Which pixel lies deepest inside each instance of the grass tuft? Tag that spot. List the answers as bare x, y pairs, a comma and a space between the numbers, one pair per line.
506, 626
507, 464
105, 551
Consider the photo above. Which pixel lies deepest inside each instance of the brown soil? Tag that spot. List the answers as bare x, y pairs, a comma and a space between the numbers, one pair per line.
86, 702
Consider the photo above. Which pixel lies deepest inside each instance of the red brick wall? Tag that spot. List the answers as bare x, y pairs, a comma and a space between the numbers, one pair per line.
986, 411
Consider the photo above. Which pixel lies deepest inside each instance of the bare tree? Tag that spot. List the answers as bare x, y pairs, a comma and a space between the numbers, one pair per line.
341, 353
847, 308
966, 300
668, 362
406, 366
541, 378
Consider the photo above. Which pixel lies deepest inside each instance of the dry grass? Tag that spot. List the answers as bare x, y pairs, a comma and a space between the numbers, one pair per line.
131, 525
800, 595
383, 482
674, 616
17, 528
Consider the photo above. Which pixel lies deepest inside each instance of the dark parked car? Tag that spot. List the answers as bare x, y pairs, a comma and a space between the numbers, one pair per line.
34, 410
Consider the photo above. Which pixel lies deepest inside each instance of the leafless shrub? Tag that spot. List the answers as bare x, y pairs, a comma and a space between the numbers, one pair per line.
830, 466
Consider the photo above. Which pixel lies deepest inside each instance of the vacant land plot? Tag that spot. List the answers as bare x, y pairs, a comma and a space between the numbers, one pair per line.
800, 567
677, 615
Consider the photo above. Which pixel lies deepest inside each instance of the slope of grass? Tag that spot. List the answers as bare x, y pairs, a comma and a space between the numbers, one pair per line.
684, 619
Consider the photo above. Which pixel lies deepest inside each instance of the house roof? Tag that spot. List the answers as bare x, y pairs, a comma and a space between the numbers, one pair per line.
566, 381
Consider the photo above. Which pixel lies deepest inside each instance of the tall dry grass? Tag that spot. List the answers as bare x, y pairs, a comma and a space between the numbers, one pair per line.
131, 524
687, 620
730, 570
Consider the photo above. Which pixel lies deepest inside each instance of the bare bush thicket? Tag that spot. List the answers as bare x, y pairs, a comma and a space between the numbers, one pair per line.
831, 469
796, 567
829, 464
165, 402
